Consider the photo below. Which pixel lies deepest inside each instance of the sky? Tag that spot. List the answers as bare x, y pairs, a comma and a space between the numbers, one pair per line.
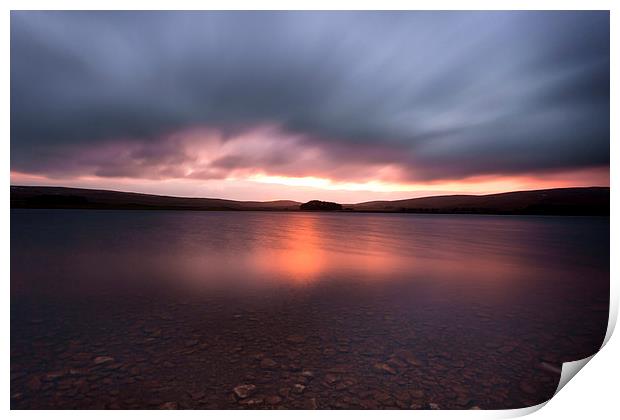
340, 106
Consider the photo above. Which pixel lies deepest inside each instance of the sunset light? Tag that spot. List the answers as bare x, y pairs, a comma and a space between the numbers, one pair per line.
261, 186
308, 210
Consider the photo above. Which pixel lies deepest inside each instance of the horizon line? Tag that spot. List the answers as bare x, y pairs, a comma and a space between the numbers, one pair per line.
295, 201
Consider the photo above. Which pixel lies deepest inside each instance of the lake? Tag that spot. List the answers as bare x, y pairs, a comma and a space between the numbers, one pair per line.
165, 309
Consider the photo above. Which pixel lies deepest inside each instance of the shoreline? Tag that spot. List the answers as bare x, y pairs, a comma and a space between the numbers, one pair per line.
489, 213
579, 201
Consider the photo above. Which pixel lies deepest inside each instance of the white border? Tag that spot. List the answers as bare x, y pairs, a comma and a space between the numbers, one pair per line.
593, 394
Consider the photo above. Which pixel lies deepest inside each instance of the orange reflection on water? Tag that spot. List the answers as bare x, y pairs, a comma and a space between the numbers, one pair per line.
306, 250
229, 251
298, 255
300, 249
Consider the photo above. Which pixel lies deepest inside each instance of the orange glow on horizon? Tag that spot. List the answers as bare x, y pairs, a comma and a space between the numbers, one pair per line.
264, 187
474, 185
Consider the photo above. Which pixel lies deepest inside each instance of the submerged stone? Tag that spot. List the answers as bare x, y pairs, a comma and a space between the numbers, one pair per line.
244, 391
99, 360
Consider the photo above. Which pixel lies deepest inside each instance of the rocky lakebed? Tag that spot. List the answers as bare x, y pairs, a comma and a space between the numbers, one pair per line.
309, 351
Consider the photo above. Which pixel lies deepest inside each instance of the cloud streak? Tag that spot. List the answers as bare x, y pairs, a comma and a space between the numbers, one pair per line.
350, 96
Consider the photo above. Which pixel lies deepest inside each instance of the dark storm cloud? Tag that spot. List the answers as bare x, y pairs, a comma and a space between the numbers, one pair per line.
442, 94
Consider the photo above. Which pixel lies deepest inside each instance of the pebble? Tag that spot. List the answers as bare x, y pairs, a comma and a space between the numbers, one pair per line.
251, 401
268, 363
311, 404
273, 399
244, 391
408, 357
99, 360
384, 367
416, 393
197, 395
330, 378
295, 339
51, 376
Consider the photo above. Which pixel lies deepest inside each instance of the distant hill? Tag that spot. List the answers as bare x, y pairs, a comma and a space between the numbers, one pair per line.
316, 205
560, 201
80, 198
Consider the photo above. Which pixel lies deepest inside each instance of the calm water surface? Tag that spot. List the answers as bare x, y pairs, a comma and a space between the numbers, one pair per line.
359, 310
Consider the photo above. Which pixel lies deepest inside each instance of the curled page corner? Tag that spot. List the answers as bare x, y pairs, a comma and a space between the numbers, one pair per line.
613, 314
520, 412
569, 370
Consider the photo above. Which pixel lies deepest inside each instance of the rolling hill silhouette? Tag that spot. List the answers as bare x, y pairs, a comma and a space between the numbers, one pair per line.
559, 201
